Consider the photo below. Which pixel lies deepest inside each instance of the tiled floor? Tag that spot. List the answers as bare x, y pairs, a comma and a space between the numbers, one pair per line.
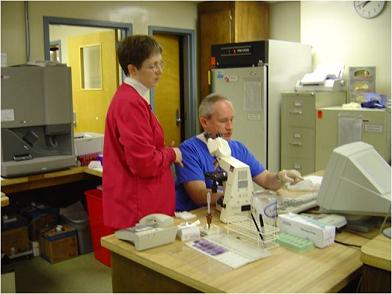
83, 274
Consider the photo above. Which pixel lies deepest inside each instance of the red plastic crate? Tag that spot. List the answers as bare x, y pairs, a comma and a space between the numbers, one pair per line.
97, 228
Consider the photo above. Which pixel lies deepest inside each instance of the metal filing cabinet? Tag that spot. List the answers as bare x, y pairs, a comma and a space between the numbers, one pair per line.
336, 126
298, 127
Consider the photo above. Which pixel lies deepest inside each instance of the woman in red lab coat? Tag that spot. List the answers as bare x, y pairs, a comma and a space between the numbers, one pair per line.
137, 178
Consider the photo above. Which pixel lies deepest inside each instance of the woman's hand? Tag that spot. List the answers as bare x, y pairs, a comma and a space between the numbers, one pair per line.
178, 160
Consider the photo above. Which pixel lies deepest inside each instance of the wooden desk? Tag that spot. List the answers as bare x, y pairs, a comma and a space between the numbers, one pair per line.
177, 268
74, 174
376, 256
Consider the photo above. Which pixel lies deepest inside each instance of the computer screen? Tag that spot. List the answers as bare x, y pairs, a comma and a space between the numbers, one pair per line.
357, 181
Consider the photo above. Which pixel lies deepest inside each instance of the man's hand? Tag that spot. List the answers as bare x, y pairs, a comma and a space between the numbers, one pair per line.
291, 176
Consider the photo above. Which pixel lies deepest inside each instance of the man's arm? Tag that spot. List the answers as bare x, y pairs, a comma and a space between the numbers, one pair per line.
197, 191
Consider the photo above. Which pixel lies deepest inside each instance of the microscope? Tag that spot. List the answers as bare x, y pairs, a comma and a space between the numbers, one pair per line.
237, 182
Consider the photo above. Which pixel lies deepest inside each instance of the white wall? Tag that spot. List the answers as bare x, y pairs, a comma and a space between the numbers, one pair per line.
285, 20
141, 14
13, 32
339, 35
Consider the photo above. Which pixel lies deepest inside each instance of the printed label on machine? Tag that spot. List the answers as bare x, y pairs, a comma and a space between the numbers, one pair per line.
7, 115
230, 79
219, 75
373, 128
254, 116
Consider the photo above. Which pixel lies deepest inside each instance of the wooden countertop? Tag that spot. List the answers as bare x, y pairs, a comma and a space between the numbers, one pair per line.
38, 177
318, 270
73, 174
377, 253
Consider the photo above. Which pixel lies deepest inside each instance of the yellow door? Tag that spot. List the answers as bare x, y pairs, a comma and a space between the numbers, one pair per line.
167, 92
94, 78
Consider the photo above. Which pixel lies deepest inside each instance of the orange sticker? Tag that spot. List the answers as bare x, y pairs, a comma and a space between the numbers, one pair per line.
319, 114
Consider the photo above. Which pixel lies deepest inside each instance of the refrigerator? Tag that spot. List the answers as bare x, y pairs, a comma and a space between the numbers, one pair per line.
253, 76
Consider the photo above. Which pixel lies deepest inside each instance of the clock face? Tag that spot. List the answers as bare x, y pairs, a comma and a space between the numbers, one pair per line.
369, 9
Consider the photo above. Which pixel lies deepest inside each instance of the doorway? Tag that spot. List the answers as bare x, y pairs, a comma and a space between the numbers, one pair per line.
175, 98
76, 42
187, 54
167, 93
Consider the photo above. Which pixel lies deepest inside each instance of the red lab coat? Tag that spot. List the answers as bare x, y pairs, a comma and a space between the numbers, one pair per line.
137, 179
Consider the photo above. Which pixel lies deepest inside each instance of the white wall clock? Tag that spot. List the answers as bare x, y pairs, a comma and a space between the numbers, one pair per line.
369, 9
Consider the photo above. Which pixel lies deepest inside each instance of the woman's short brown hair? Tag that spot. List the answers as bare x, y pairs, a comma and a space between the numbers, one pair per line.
135, 50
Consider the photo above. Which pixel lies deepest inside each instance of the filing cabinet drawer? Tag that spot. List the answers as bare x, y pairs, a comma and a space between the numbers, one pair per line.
304, 166
298, 126
298, 110
299, 142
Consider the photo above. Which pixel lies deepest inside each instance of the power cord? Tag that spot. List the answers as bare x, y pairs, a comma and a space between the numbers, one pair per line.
348, 244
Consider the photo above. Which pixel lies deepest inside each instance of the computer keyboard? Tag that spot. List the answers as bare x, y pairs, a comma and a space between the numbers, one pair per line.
297, 204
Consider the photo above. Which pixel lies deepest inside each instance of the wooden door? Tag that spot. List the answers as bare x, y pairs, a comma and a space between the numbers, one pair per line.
167, 98
91, 103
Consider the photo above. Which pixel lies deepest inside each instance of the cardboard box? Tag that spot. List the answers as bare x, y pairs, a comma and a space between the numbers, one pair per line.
15, 240
40, 219
56, 246
41, 223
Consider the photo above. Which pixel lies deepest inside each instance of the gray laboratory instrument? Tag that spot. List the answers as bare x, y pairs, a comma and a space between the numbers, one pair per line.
36, 119
253, 75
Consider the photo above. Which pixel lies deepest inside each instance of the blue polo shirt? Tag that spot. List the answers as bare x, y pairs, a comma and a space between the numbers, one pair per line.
197, 161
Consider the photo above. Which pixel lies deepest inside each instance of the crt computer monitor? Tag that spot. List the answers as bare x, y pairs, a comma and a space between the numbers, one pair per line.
357, 181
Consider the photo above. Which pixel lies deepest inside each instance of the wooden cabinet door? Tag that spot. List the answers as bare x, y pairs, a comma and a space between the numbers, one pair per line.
228, 22
215, 28
251, 21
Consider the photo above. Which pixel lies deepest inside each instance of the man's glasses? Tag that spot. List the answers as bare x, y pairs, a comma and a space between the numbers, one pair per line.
156, 66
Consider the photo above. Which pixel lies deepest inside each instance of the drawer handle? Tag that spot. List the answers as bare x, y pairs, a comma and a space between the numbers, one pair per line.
297, 135
297, 166
296, 143
296, 112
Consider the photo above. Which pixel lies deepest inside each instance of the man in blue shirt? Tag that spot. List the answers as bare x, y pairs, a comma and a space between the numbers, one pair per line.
216, 115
